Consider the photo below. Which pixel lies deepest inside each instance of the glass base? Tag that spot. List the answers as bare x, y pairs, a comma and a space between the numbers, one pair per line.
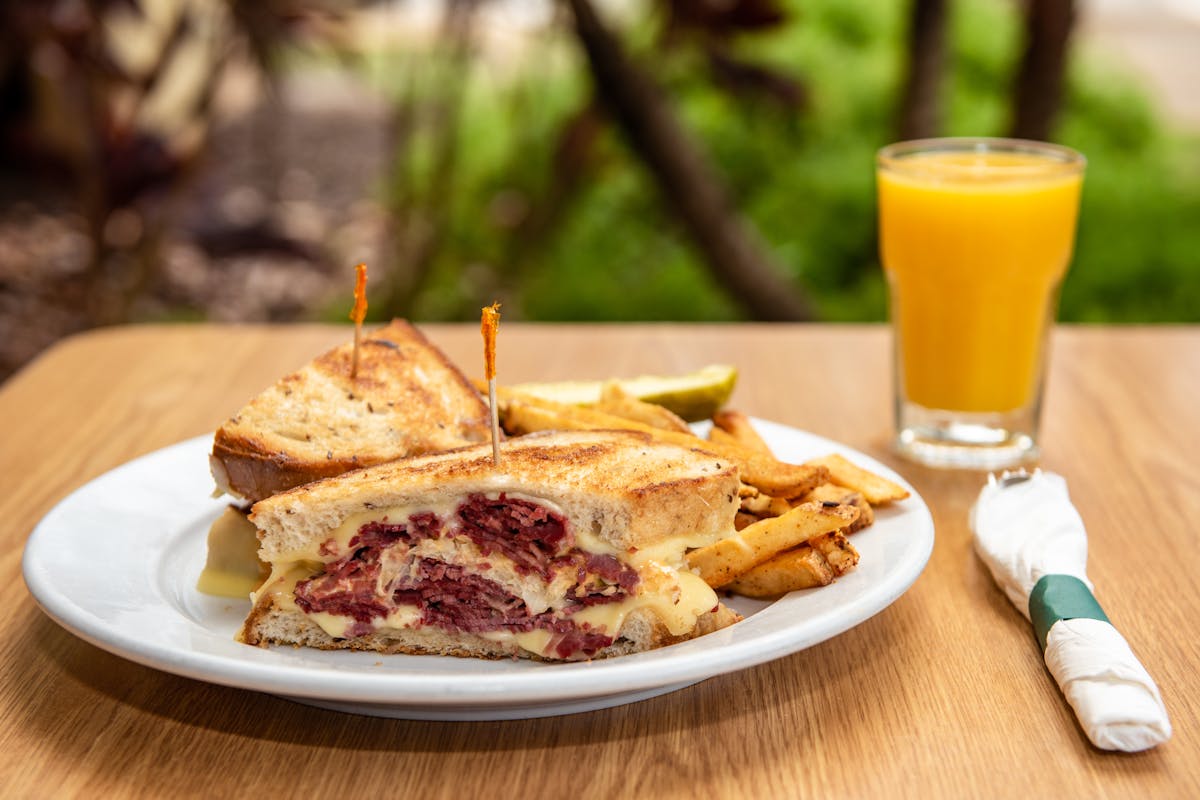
961, 440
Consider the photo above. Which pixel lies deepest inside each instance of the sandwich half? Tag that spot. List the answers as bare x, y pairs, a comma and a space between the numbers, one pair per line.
406, 399
573, 548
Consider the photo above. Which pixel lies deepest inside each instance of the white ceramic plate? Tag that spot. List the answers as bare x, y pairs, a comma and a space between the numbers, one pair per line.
116, 564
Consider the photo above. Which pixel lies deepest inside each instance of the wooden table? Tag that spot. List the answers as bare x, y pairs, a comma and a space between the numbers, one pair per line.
941, 695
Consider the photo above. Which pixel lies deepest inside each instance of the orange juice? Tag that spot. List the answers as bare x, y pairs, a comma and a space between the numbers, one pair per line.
975, 245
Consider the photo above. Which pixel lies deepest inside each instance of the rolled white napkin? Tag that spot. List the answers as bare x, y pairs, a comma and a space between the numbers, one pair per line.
1034, 543
1114, 697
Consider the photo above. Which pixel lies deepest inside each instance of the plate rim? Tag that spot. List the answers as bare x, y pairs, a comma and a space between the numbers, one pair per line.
574, 682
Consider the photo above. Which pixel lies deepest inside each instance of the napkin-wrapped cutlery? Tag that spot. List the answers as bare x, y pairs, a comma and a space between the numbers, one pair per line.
1034, 543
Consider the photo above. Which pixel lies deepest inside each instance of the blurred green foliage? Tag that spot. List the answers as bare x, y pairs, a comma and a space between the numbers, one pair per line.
805, 178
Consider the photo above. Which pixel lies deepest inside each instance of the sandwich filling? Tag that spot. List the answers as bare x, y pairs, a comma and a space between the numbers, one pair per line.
503, 567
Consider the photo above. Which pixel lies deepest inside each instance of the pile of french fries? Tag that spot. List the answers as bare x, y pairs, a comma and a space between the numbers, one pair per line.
795, 520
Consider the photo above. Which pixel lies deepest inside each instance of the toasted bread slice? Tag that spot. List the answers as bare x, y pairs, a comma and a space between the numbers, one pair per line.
574, 546
407, 399
620, 486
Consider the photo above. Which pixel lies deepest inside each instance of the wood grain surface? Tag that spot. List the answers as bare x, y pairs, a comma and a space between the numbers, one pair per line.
943, 694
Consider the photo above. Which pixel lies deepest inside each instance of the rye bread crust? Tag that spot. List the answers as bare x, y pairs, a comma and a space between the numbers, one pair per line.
407, 399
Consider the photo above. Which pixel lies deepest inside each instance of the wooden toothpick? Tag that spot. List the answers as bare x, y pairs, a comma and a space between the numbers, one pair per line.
358, 313
489, 323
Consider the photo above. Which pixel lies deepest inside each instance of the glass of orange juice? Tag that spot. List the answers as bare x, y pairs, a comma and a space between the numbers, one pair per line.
975, 238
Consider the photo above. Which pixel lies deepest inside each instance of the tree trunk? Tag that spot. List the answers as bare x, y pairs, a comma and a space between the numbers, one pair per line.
733, 252
1037, 94
920, 107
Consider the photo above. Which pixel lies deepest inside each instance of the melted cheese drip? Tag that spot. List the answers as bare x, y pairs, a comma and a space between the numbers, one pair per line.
281, 586
678, 614
668, 550
232, 568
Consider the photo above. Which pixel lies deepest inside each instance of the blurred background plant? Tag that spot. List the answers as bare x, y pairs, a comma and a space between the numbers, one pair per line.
576, 159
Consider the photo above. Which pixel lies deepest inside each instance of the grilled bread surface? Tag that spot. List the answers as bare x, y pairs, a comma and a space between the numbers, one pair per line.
407, 399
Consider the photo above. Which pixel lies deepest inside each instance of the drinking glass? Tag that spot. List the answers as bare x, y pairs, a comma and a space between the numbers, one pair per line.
975, 238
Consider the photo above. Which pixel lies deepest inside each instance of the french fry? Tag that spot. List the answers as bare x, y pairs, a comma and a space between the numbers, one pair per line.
723, 561
764, 505
616, 401
837, 550
876, 489
526, 414
519, 416
799, 568
719, 436
832, 493
817, 563
737, 425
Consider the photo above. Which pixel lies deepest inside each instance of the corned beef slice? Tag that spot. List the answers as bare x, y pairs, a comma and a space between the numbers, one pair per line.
527, 533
